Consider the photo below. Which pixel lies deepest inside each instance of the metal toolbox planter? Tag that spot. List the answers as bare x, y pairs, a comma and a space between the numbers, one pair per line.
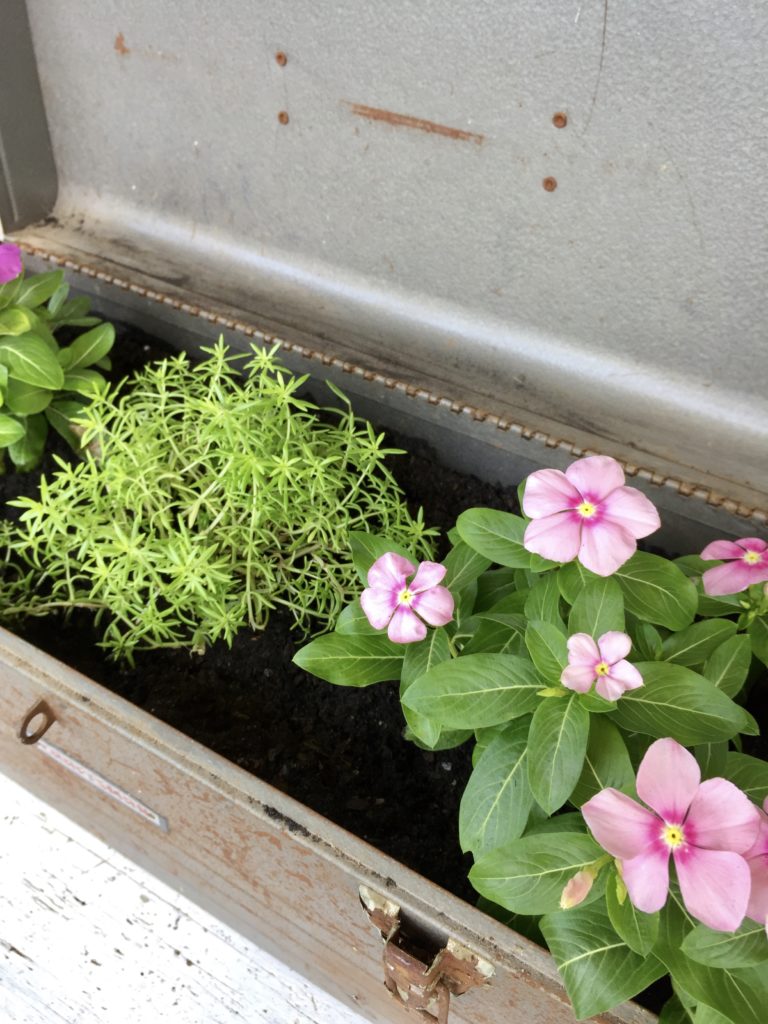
286, 201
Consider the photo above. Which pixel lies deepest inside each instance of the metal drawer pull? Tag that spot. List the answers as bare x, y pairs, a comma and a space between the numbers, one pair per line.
418, 983
41, 709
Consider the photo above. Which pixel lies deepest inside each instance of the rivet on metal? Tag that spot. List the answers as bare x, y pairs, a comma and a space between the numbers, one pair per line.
281, 58
560, 120
40, 710
549, 184
282, 117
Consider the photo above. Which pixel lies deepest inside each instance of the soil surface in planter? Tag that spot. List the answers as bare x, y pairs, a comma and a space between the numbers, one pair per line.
338, 750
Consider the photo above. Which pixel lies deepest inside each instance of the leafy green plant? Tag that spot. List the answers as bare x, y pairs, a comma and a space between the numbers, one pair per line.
581, 669
205, 499
43, 384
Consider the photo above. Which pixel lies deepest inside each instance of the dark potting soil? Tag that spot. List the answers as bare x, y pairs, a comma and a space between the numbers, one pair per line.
338, 750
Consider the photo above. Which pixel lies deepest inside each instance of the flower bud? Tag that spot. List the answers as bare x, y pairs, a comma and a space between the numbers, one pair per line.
576, 890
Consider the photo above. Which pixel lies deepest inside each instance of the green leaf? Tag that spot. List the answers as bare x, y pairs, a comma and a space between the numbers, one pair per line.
495, 633
84, 382
368, 547
673, 1012
352, 660
637, 929
727, 667
606, 763
352, 619
58, 299
14, 322
750, 774
39, 288
419, 659
598, 608
675, 701
557, 745
9, 291
463, 566
706, 1015
60, 415
92, 346
543, 602
27, 452
741, 994
492, 586
746, 947
548, 650
496, 535
26, 399
572, 578
657, 591
497, 801
476, 690
692, 646
598, 969
712, 758
11, 430
30, 360
758, 634
528, 875
646, 640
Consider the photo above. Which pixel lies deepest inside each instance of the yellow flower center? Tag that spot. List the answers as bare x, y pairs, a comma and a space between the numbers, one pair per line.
405, 596
752, 557
586, 509
673, 836
603, 668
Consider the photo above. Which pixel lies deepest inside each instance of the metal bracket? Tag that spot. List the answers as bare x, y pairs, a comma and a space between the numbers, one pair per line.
421, 986
43, 711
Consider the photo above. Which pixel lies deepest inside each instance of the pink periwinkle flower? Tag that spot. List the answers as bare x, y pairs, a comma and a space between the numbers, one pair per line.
586, 513
757, 861
601, 663
391, 601
707, 827
10, 262
744, 562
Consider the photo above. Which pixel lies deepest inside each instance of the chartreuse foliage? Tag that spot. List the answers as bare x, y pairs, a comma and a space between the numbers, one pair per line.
42, 383
541, 750
209, 494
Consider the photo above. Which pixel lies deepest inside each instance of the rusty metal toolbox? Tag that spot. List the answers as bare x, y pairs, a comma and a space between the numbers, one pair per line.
520, 231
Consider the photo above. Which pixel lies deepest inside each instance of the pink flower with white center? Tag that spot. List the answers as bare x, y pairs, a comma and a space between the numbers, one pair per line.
601, 663
10, 262
586, 513
757, 861
391, 601
745, 562
707, 827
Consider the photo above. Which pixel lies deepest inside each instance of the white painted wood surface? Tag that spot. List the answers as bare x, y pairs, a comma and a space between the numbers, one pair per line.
86, 937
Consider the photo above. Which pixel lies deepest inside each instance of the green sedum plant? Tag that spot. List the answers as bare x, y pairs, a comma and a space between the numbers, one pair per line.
42, 383
208, 495
611, 812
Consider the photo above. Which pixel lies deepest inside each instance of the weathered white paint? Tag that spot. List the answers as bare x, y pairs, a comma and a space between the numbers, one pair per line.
86, 937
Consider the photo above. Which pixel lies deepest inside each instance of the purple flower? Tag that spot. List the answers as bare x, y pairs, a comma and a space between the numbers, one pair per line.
10, 262
391, 601
706, 827
601, 663
586, 513
745, 562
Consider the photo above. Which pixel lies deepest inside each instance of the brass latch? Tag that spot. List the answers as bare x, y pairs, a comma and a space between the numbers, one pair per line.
419, 980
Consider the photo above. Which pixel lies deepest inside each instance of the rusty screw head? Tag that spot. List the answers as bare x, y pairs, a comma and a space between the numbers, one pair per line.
549, 184
559, 120
282, 117
281, 58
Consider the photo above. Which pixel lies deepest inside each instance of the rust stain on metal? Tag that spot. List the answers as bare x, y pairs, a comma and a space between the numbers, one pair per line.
283, 117
281, 58
120, 46
419, 123
549, 184
560, 120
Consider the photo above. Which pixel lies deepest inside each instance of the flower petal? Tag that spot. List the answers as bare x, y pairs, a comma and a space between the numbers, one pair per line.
667, 780
582, 650
631, 509
757, 907
619, 823
732, 577
434, 605
722, 817
389, 571
605, 546
752, 544
10, 262
647, 878
429, 574
622, 677
715, 886
614, 646
721, 549
596, 476
548, 491
760, 846
378, 606
556, 537
578, 678
406, 627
